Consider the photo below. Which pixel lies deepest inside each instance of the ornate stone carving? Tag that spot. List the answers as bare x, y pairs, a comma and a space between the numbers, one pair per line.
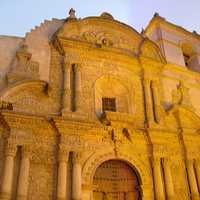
24, 67
72, 14
106, 15
6, 105
11, 149
181, 96
99, 38
26, 151
63, 154
77, 156
114, 62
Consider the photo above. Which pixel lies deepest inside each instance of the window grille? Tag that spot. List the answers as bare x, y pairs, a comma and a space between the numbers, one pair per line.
109, 104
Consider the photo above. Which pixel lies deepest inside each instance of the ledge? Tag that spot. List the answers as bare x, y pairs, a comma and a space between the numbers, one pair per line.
108, 117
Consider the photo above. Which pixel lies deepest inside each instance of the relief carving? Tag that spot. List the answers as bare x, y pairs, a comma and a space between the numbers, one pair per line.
105, 39
23, 68
90, 141
180, 96
6, 105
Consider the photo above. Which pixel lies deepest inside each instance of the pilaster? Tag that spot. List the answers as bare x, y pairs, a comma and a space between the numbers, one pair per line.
22, 190
63, 157
78, 88
168, 179
192, 180
158, 181
67, 87
6, 188
197, 168
77, 176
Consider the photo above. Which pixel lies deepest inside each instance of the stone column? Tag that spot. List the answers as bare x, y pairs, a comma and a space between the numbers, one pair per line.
148, 101
197, 168
77, 177
6, 188
62, 175
78, 88
67, 87
192, 180
158, 181
168, 179
22, 190
156, 100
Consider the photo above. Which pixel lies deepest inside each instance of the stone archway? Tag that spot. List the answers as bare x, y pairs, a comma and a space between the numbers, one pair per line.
95, 160
116, 180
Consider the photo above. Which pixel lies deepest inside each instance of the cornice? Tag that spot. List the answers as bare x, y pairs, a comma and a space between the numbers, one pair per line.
114, 22
21, 84
84, 45
168, 41
156, 20
181, 70
88, 50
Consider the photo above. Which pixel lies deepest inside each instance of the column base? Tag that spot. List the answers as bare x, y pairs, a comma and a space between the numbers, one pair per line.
21, 197
195, 197
170, 198
60, 198
5, 196
161, 198
66, 111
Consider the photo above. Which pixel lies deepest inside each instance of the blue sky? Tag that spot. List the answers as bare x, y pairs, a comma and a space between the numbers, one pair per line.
18, 16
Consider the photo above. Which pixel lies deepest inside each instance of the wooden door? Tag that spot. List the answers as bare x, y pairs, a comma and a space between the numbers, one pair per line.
115, 180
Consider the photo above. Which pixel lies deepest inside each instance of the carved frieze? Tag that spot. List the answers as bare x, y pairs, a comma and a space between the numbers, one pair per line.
105, 39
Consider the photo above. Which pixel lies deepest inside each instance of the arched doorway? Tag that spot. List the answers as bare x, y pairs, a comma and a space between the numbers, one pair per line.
115, 180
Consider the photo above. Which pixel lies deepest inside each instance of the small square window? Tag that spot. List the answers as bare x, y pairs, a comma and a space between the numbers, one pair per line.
109, 104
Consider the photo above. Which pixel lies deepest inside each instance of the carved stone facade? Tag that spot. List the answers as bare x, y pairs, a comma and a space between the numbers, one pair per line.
58, 142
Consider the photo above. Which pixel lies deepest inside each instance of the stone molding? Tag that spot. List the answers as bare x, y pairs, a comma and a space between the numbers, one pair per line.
77, 157
11, 149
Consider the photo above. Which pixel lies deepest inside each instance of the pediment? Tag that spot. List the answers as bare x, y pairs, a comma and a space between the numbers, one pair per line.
101, 31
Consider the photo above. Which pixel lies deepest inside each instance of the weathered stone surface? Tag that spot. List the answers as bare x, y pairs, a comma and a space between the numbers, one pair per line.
97, 97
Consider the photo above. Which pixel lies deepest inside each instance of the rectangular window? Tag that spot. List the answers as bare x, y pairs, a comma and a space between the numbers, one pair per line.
109, 104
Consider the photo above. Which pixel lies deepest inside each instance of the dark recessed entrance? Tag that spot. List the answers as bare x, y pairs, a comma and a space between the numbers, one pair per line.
115, 180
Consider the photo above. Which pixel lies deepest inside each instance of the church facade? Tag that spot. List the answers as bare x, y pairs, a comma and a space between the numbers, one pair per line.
90, 109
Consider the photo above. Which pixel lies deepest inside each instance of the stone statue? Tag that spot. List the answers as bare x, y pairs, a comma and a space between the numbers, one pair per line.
72, 14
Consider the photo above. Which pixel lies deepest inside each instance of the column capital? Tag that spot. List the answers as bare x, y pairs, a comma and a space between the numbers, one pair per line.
63, 155
156, 161
76, 157
67, 62
78, 67
26, 151
190, 161
147, 81
11, 149
67, 65
154, 83
197, 162
167, 161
